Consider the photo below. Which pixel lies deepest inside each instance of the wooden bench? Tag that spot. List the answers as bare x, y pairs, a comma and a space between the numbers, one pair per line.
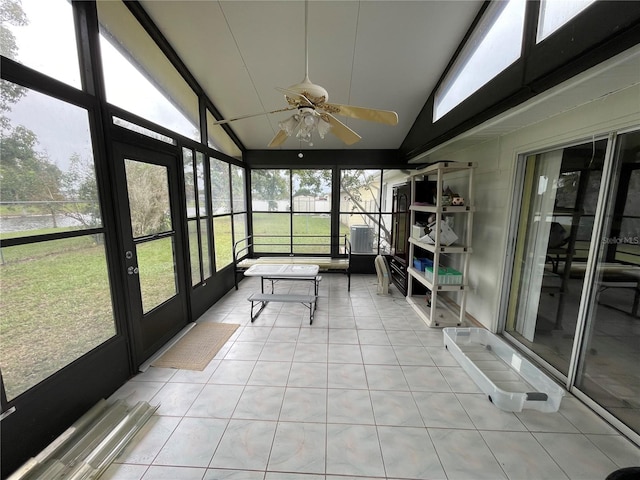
308, 301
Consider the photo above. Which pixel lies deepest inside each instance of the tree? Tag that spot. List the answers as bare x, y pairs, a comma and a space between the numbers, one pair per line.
238, 188
357, 186
27, 175
11, 13
312, 182
220, 189
304, 191
270, 185
80, 186
148, 189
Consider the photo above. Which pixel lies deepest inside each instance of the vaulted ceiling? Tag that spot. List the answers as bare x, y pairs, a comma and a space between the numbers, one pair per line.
379, 54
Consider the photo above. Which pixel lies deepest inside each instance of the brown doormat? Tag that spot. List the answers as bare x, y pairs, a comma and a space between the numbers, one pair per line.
195, 350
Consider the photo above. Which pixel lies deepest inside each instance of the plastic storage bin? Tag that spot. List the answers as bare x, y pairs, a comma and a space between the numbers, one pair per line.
511, 382
446, 275
422, 263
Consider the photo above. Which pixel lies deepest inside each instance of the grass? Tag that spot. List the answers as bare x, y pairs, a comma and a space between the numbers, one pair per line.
315, 228
55, 307
56, 301
156, 272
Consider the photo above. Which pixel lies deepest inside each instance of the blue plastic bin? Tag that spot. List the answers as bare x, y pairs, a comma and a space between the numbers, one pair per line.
422, 263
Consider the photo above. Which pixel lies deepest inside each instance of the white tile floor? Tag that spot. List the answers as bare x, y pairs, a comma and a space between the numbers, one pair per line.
366, 392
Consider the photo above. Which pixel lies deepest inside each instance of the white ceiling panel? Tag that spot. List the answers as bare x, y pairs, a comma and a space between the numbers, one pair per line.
380, 54
377, 54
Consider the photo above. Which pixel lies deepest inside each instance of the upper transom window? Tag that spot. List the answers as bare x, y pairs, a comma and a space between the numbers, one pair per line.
495, 44
555, 13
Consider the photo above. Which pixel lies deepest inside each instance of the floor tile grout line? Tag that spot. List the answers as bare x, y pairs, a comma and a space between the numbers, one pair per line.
360, 345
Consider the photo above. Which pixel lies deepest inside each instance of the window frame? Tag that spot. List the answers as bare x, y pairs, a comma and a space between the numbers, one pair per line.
472, 43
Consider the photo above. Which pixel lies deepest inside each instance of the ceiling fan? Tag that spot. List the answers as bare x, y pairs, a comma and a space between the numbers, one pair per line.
314, 113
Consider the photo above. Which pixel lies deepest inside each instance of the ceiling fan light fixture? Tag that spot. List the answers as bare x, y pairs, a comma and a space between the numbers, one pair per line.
323, 127
303, 124
289, 125
305, 131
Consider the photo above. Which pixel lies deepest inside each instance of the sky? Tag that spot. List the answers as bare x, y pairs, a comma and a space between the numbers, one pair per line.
501, 45
47, 44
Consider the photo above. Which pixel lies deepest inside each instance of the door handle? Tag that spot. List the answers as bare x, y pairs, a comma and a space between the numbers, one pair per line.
132, 270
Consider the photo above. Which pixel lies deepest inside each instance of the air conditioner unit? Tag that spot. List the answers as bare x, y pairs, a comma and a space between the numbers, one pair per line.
361, 239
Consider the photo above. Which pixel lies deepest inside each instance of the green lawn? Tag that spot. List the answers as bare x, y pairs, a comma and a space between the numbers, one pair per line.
311, 233
55, 296
55, 306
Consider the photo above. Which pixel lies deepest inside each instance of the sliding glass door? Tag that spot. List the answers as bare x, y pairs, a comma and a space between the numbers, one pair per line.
609, 354
558, 206
575, 284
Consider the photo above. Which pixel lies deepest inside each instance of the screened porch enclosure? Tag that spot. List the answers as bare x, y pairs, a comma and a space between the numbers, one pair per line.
312, 211
123, 196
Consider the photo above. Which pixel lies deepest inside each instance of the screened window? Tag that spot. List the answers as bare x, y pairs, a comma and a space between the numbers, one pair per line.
291, 211
51, 225
494, 45
556, 13
130, 60
194, 252
360, 207
48, 177
270, 190
238, 189
41, 35
220, 186
240, 231
311, 191
201, 186
222, 240
221, 201
239, 205
366, 200
209, 183
270, 196
197, 218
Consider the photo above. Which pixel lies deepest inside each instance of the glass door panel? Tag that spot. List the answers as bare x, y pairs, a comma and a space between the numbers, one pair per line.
157, 271
152, 228
148, 191
554, 237
610, 354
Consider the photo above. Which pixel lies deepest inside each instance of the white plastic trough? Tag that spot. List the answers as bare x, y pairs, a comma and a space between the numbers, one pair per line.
511, 382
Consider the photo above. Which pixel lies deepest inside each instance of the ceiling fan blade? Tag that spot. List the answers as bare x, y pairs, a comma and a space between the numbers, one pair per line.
220, 122
279, 139
340, 130
382, 116
304, 101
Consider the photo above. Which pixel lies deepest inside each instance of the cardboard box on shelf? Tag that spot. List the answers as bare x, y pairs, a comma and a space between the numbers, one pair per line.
447, 235
417, 231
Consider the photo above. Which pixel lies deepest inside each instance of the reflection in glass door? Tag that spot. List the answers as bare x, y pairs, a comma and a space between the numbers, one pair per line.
608, 363
575, 287
554, 237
